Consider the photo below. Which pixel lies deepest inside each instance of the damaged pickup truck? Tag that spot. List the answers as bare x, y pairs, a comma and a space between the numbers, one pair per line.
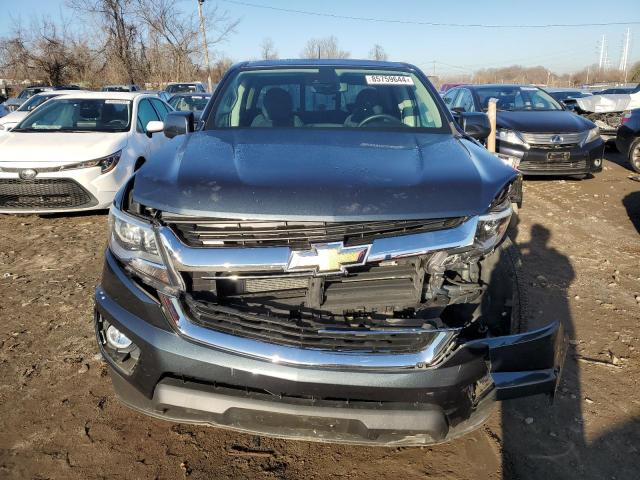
324, 259
606, 110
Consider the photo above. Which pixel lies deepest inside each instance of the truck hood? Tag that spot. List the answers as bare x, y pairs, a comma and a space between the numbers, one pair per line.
321, 175
33, 149
556, 121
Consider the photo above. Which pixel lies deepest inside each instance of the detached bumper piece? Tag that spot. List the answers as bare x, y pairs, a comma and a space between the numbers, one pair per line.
167, 376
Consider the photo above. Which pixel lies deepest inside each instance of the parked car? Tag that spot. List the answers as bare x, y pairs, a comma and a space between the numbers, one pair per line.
617, 91
3, 111
303, 269
185, 87
533, 130
190, 102
120, 88
13, 103
13, 118
75, 151
567, 96
628, 138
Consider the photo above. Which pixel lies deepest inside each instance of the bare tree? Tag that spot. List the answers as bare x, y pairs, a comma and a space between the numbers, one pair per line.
378, 53
324, 48
268, 50
46, 51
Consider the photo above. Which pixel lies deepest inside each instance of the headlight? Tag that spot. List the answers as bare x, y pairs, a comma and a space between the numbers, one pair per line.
133, 242
593, 134
510, 136
493, 225
106, 164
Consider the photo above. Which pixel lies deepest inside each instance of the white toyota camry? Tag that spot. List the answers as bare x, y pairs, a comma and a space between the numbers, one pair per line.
75, 151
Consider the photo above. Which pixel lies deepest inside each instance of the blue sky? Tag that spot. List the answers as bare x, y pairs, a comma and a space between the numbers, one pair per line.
458, 50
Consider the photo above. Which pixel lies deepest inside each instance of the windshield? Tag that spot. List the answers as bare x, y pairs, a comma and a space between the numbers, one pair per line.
189, 103
182, 88
34, 102
29, 92
325, 97
79, 115
516, 98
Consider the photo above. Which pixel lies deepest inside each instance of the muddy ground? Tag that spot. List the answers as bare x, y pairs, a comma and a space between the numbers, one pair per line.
580, 242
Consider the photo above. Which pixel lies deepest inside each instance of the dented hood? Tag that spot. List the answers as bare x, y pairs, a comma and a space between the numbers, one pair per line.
609, 103
321, 175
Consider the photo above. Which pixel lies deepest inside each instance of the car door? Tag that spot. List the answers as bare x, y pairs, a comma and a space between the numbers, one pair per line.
463, 102
162, 110
145, 114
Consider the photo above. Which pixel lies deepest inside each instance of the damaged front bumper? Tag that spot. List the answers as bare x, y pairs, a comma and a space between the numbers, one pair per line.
174, 378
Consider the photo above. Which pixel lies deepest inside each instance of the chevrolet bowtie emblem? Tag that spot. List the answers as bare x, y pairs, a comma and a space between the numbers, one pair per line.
326, 258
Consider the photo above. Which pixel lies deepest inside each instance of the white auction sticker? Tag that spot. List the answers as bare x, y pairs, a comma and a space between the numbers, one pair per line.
389, 80
117, 102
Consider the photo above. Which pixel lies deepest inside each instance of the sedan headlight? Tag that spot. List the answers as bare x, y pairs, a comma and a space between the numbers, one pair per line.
493, 225
592, 135
106, 164
133, 242
510, 136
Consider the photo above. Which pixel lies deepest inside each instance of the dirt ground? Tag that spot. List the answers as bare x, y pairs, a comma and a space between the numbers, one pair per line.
580, 242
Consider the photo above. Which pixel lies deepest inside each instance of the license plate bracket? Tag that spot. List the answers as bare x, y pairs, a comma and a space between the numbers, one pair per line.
558, 156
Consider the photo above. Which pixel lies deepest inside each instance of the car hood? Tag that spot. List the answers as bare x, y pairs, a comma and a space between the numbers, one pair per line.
13, 117
33, 149
557, 121
321, 175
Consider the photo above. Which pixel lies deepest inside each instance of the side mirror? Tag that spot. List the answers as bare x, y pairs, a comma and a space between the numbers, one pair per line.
154, 126
475, 124
178, 123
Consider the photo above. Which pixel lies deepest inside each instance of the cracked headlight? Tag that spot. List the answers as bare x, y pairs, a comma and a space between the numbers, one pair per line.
106, 164
133, 242
592, 135
510, 136
493, 225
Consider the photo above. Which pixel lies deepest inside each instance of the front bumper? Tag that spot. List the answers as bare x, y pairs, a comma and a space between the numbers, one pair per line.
47, 192
181, 380
535, 160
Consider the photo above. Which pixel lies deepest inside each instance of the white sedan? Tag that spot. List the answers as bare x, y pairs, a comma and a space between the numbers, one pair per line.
76, 150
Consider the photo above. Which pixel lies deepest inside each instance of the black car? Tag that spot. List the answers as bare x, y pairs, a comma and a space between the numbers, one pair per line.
533, 130
186, 87
618, 90
628, 137
325, 259
190, 102
566, 96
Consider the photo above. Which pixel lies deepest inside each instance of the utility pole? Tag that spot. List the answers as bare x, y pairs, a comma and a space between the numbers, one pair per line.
624, 58
603, 53
204, 45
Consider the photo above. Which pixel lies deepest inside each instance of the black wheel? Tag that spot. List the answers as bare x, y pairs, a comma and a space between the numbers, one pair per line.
504, 303
634, 155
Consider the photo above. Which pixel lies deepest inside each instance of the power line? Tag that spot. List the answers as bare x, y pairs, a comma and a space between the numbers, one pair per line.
432, 24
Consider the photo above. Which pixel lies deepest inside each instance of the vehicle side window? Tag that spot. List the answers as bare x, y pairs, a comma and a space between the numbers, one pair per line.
146, 114
464, 102
160, 107
449, 97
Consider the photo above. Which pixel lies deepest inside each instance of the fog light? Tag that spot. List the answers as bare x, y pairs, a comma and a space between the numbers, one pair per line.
597, 162
116, 339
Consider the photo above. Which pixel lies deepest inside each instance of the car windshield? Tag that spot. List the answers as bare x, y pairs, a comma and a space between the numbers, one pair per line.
79, 115
116, 88
34, 102
182, 88
189, 103
325, 97
517, 98
28, 93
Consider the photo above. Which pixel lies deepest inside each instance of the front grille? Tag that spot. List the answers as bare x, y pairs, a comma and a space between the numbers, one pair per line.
302, 332
42, 193
554, 139
552, 166
199, 232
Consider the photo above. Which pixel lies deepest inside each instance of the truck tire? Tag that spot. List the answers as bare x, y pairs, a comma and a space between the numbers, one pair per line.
634, 155
504, 303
